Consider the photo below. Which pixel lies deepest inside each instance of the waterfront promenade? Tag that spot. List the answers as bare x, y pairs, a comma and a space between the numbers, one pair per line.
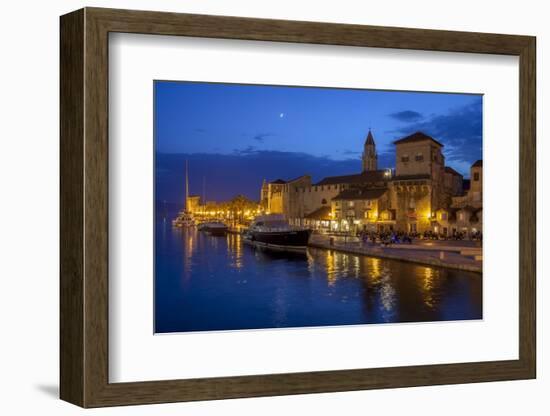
460, 255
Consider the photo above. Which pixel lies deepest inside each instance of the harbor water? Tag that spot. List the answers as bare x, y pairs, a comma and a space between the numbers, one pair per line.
207, 283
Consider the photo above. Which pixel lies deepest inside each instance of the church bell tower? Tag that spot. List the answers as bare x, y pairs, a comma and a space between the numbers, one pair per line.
370, 158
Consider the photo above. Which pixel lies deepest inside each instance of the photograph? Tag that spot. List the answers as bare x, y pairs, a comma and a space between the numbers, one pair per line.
289, 206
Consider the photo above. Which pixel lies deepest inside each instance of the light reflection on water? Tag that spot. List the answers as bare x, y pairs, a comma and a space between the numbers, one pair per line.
207, 283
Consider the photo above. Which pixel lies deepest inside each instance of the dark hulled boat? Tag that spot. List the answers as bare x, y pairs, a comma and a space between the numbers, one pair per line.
274, 232
215, 228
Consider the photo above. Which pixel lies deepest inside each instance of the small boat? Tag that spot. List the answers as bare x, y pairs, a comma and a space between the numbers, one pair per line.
214, 228
273, 232
183, 220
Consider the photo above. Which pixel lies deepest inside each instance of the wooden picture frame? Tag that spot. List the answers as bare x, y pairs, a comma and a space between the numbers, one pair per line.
84, 207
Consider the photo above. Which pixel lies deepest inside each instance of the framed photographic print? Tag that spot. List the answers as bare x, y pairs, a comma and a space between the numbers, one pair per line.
255, 207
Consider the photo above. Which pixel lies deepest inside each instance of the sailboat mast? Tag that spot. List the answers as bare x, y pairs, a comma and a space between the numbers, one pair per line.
186, 184
204, 190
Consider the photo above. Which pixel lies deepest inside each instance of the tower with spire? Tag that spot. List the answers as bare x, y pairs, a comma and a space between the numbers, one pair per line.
370, 158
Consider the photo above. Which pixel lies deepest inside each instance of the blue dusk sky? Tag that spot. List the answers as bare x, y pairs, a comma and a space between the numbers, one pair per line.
235, 135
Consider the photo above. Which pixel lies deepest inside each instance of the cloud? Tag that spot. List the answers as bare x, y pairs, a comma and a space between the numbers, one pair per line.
262, 136
246, 151
350, 152
407, 116
240, 172
200, 131
460, 130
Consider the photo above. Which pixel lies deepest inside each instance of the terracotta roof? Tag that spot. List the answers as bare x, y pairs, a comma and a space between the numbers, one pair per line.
282, 182
417, 137
360, 193
478, 163
369, 139
365, 177
319, 214
411, 177
452, 171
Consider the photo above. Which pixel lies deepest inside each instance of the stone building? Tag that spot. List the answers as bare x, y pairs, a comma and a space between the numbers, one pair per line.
370, 157
413, 197
278, 197
465, 213
193, 203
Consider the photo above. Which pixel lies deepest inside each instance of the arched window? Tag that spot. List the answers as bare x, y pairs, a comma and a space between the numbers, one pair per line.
324, 201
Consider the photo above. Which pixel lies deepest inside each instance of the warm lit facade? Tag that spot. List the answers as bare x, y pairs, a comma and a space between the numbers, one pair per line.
421, 194
193, 203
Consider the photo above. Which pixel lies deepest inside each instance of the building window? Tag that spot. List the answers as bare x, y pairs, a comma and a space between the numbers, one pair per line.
476, 176
405, 158
419, 157
324, 201
350, 204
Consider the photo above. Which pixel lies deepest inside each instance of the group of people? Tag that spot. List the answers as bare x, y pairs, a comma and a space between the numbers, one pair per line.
399, 237
385, 238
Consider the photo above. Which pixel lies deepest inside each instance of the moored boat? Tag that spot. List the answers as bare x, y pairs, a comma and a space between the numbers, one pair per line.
183, 220
214, 228
273, 232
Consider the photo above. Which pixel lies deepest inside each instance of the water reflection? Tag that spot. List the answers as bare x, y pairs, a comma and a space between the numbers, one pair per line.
217, 283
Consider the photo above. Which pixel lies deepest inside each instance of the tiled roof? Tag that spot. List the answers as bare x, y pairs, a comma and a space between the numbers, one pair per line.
319, 214
360, 193
411, 177
282, 182
417, 137
452, 171
365, 177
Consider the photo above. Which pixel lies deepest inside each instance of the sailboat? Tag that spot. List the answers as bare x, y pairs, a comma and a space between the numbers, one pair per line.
185, 218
